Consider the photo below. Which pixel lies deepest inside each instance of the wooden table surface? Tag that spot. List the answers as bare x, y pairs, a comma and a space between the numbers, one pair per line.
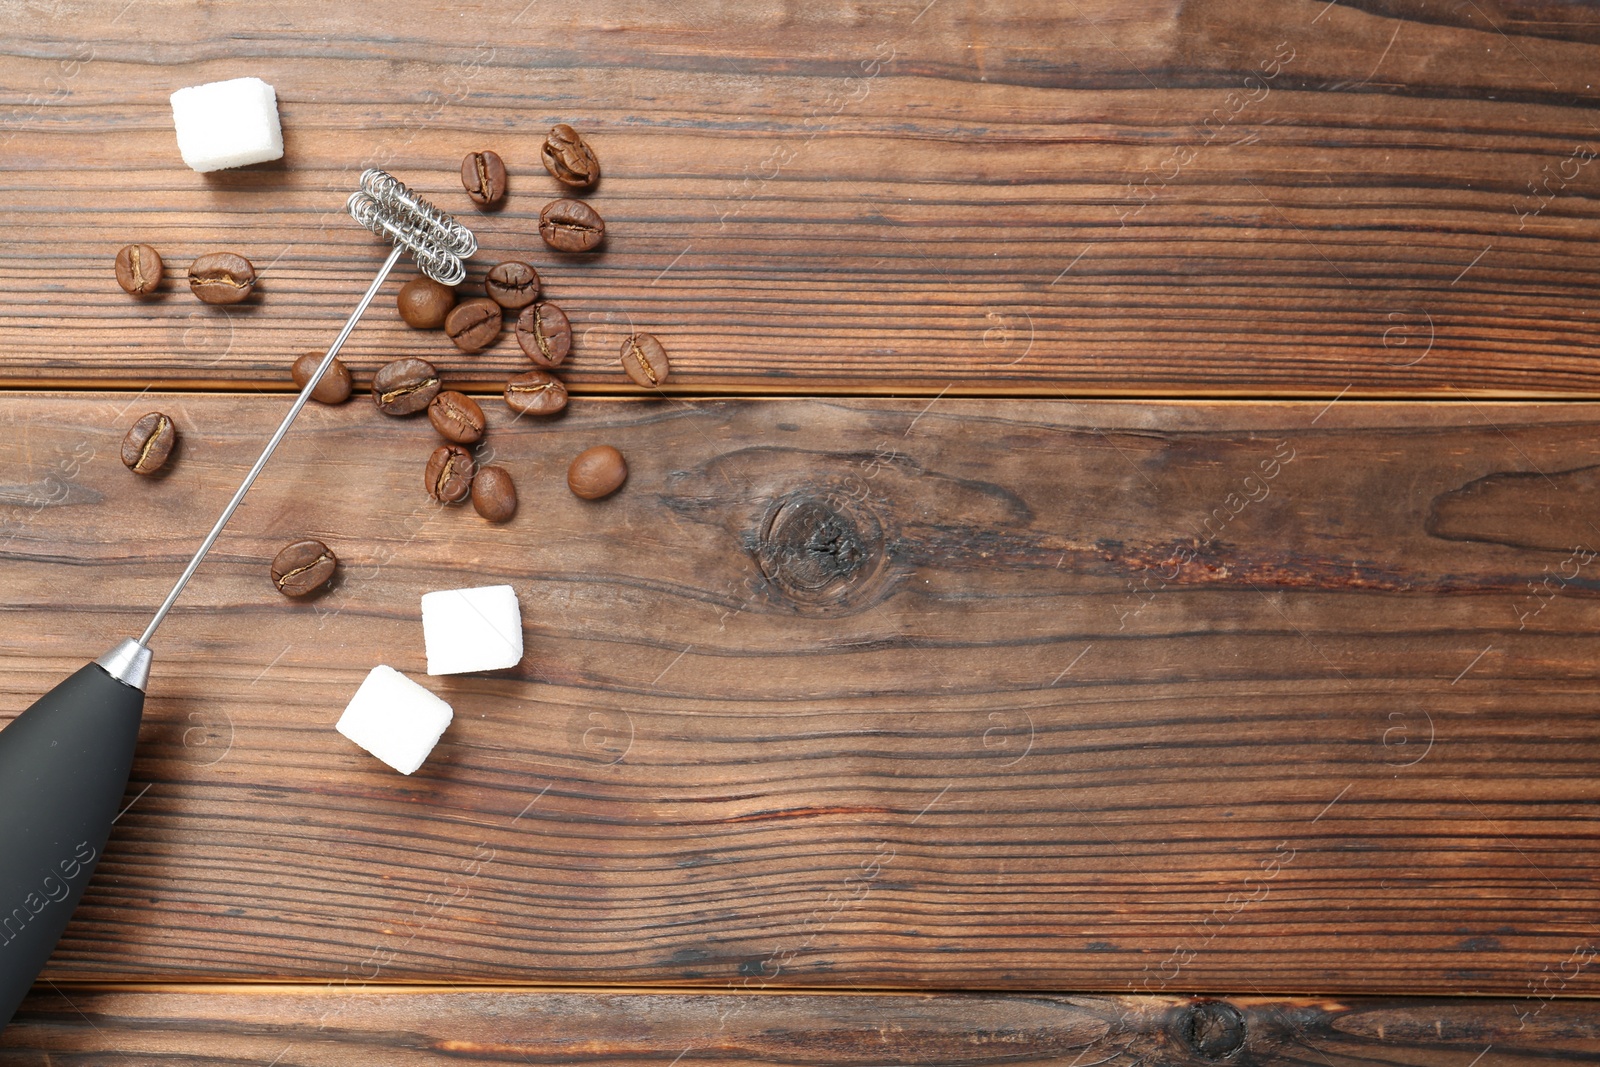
1111, 579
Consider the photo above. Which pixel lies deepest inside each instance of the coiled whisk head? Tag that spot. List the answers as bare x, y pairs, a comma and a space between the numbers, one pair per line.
386, 207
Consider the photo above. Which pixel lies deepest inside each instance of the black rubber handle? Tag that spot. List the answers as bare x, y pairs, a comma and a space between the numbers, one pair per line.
64, 767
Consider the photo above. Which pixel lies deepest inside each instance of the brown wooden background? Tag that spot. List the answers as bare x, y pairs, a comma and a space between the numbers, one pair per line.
1111, 580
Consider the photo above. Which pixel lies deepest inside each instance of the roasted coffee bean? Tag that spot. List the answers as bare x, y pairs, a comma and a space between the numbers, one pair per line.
512, 284
149, 443
645, 360
457, 417
449, 474
545, 334
597, 472
138, 269
405, 386
569, 159
571, 226
221, 278
493, 495
473, 324
424, 303
335, 386
536, 392
303, 567
484, 177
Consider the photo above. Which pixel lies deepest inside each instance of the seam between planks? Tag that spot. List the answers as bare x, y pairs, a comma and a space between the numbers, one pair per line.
1455, 397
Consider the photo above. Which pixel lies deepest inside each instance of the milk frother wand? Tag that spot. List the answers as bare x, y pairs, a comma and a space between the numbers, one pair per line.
64, 762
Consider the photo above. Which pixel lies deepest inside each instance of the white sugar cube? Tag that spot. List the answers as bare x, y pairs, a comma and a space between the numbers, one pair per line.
472, 629
395, 719
227, 124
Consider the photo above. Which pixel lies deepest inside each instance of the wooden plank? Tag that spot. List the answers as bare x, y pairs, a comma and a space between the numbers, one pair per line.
290, 1027
1024, 695
1288, 197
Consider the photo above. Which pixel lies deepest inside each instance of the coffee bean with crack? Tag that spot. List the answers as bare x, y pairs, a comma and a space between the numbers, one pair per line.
474, 325
571, 226
303, 567
545, 334
449, 474
457, 417
536, 392
149, 443
483, 175
221, 278
512, 284
645, 360
568, 157
405, 386
138, 270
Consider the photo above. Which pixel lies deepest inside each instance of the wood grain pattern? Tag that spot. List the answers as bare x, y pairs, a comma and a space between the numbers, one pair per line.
1286, 197
1024, 695
308, 1028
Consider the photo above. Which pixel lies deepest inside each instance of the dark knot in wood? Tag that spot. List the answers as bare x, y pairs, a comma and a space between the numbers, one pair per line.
819, 548
1213, 1028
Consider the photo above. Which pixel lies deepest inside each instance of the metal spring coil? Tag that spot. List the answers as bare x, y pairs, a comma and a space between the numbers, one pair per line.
386, 207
